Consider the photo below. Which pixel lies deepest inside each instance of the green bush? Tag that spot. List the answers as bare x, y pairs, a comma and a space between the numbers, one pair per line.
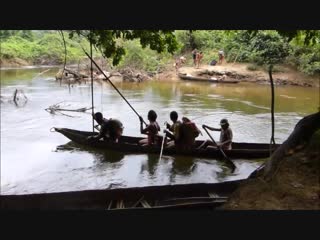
268, 47
48, 46
252, 67
261, 47
275, 69
143, 58
183, 39
18, 47
306, 59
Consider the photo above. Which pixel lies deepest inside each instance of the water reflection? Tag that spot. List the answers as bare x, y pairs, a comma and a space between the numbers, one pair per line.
150, 165
183, 165
108, 156
100, 156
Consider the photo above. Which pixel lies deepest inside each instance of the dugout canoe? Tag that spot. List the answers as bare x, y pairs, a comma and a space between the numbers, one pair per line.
197, 195
203, 79
128, 144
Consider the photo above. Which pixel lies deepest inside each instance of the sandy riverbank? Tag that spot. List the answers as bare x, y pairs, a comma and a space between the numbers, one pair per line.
240, 72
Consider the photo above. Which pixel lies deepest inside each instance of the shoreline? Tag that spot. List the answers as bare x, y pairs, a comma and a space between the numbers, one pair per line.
30, 67
232, 71
239, 72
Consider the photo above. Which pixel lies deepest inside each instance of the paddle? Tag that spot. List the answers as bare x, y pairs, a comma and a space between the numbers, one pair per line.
164, 137
228, 161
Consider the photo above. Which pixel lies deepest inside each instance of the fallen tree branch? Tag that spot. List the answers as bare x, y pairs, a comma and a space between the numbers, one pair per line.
39, 74
57, 109
73, 110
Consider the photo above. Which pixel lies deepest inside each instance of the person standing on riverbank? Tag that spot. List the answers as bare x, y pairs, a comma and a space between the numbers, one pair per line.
221, 56
178, 63
199, 57
194, 55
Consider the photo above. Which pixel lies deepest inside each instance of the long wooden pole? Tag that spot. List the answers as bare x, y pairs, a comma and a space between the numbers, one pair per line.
92, 61
92, 86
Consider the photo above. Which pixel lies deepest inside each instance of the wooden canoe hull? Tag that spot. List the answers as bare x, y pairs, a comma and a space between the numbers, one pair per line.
202, 79
156, 197
129, 144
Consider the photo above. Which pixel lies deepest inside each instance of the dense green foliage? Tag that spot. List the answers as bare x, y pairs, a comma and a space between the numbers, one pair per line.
107, 41
300, 49
268, 47
144, 58
153, 50
38, 48
306, 58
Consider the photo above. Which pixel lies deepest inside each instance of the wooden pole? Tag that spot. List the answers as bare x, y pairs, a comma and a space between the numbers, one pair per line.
272, 105
92, 61
92, 86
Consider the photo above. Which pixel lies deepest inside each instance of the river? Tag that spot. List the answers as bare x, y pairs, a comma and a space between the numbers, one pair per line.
31, 163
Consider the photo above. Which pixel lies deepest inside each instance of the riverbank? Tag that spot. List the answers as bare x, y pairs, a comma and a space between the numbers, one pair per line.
22, 63
295, 185
283, 75
14, 63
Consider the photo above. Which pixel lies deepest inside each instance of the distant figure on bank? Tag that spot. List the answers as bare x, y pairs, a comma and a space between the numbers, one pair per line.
151, 130
110, 129
225, 136
221, 56
199, 57
182, 59
178, 63
194, 56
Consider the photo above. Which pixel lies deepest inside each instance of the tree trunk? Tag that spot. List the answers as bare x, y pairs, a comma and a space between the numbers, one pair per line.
272, 141
298, 139
191, 40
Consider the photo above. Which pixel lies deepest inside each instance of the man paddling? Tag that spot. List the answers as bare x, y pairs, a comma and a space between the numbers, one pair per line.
226, 136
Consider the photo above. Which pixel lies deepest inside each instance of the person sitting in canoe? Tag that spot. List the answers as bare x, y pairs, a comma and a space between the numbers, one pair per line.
225, 136
110, 129
151, 130
185, 133
189, 132
173, 131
